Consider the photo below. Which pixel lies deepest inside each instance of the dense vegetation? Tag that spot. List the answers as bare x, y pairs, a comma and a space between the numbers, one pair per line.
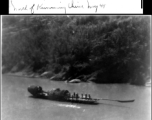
103, 49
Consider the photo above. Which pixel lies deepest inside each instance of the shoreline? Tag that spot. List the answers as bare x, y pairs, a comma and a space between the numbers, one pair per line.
34, 75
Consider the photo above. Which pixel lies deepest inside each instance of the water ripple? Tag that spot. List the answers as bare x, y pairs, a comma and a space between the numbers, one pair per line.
69, 106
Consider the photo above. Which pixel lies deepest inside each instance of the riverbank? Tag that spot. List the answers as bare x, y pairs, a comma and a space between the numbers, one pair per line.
45, 75
60, 77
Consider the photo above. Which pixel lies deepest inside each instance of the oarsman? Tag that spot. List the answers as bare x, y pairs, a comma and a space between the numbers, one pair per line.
77, 96
74, 95
89, 96
86, 96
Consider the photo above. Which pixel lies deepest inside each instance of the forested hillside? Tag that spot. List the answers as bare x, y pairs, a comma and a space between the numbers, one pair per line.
103, 49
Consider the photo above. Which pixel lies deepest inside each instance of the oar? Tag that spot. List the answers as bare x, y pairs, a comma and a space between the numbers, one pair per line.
117, 100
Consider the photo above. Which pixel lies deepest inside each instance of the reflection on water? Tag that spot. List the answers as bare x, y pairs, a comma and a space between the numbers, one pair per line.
17, 105
69, 106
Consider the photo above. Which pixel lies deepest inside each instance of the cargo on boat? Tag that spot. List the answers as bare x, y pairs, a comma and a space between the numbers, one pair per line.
61, 95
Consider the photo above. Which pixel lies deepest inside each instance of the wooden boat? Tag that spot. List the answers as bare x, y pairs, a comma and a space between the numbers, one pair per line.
61, 95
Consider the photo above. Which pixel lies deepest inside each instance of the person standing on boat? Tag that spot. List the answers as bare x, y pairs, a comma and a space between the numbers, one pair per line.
89, 96
77, 96
74, 95
81, 96
86, 96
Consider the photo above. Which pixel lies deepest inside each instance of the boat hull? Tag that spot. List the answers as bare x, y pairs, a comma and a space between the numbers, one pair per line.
72, 100
37, 92
82, 101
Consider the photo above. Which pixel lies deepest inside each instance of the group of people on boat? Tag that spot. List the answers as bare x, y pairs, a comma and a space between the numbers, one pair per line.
76, 96
65, 94
56, 94
61, 95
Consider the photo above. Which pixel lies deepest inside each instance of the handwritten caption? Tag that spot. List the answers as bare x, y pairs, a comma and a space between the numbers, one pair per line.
44, 6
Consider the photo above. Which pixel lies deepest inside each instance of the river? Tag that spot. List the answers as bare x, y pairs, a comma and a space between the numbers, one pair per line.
18, 105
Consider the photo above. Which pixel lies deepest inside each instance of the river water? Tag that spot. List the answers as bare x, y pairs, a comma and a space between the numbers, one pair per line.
18, 105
